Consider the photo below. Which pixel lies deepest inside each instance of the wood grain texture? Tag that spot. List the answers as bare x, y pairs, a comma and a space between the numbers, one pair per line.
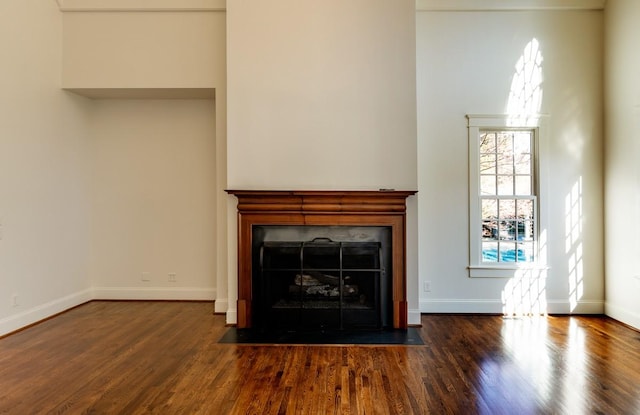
322, 208
163, 357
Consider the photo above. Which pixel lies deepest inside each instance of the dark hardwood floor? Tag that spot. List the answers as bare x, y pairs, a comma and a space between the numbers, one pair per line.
163, 357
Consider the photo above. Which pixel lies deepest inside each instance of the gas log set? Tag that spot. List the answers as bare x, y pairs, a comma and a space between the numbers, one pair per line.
320, 284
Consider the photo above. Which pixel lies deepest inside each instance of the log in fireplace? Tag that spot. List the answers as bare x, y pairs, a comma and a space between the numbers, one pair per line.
321, 259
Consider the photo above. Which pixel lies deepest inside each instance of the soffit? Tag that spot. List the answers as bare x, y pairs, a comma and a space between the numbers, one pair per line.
140, 5
508, 5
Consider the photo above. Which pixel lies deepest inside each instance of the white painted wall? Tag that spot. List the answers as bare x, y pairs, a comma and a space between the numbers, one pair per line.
153, 194
158, 166
465, 65
44, 204
321, 95
622, 167
144, 49
327, 89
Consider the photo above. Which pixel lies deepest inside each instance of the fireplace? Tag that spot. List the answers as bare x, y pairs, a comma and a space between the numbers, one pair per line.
321, 277
321, 259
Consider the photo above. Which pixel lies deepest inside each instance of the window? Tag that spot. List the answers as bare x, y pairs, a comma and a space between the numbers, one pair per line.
503, 195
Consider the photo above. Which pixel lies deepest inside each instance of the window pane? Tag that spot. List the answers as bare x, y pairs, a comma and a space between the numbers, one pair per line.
487, 164
525, 230
522, 142
490, 252
505, 163
507, 208
525, 208
523, 185
489, 219
489, 209
489, 230
505, 142
505, 185
488, 143
523, 164
488, 185
525, 252
509, 230
507, 252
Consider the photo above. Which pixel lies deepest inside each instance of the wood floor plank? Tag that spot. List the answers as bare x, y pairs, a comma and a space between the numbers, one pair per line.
108, 357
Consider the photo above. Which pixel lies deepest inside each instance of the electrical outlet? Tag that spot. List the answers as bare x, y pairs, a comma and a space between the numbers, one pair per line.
14, 300
172, 277
145, 276
427, 286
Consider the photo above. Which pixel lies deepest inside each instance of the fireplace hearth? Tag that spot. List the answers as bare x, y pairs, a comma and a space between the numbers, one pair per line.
321, 259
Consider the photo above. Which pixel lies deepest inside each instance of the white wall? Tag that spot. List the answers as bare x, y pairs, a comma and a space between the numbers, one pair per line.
465, 65
44, 212
158, 154
622, 169
321, 95
153, 210
143, 49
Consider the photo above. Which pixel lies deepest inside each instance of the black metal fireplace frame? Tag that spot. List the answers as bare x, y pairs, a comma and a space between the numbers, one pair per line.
322, 284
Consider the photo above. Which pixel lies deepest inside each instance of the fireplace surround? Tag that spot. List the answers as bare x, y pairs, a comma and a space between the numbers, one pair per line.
321, 210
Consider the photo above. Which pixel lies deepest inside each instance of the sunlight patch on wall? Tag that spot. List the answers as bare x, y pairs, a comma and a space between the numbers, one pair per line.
525, 292
525, 96
573, 243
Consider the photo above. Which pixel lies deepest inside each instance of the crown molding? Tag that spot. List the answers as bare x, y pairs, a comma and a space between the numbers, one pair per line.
421, 5
141, 5
508, 5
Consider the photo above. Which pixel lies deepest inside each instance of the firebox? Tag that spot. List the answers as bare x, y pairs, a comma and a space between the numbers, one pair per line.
326, 277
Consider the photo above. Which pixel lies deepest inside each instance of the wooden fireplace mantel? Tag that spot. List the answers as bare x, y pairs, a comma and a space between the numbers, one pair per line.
322, 207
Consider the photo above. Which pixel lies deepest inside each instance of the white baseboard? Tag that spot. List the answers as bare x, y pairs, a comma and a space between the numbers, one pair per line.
154, 293
497, 307
221, 306
413, 317
623, 315
581, 307
33, 315
41, 312
232, 317
461, 306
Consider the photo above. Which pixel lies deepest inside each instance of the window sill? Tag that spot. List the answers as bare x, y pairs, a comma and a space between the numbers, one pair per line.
506, 271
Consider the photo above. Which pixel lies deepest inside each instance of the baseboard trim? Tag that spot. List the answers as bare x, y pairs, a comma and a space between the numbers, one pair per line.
232, 317
581, 307
35, 314
413, 317
623, 315
154, 293
222, 305
497, 307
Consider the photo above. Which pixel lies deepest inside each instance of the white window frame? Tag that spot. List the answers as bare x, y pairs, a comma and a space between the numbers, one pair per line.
476, 125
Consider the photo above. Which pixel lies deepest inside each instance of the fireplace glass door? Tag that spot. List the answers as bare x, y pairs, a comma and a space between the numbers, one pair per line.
320, 284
